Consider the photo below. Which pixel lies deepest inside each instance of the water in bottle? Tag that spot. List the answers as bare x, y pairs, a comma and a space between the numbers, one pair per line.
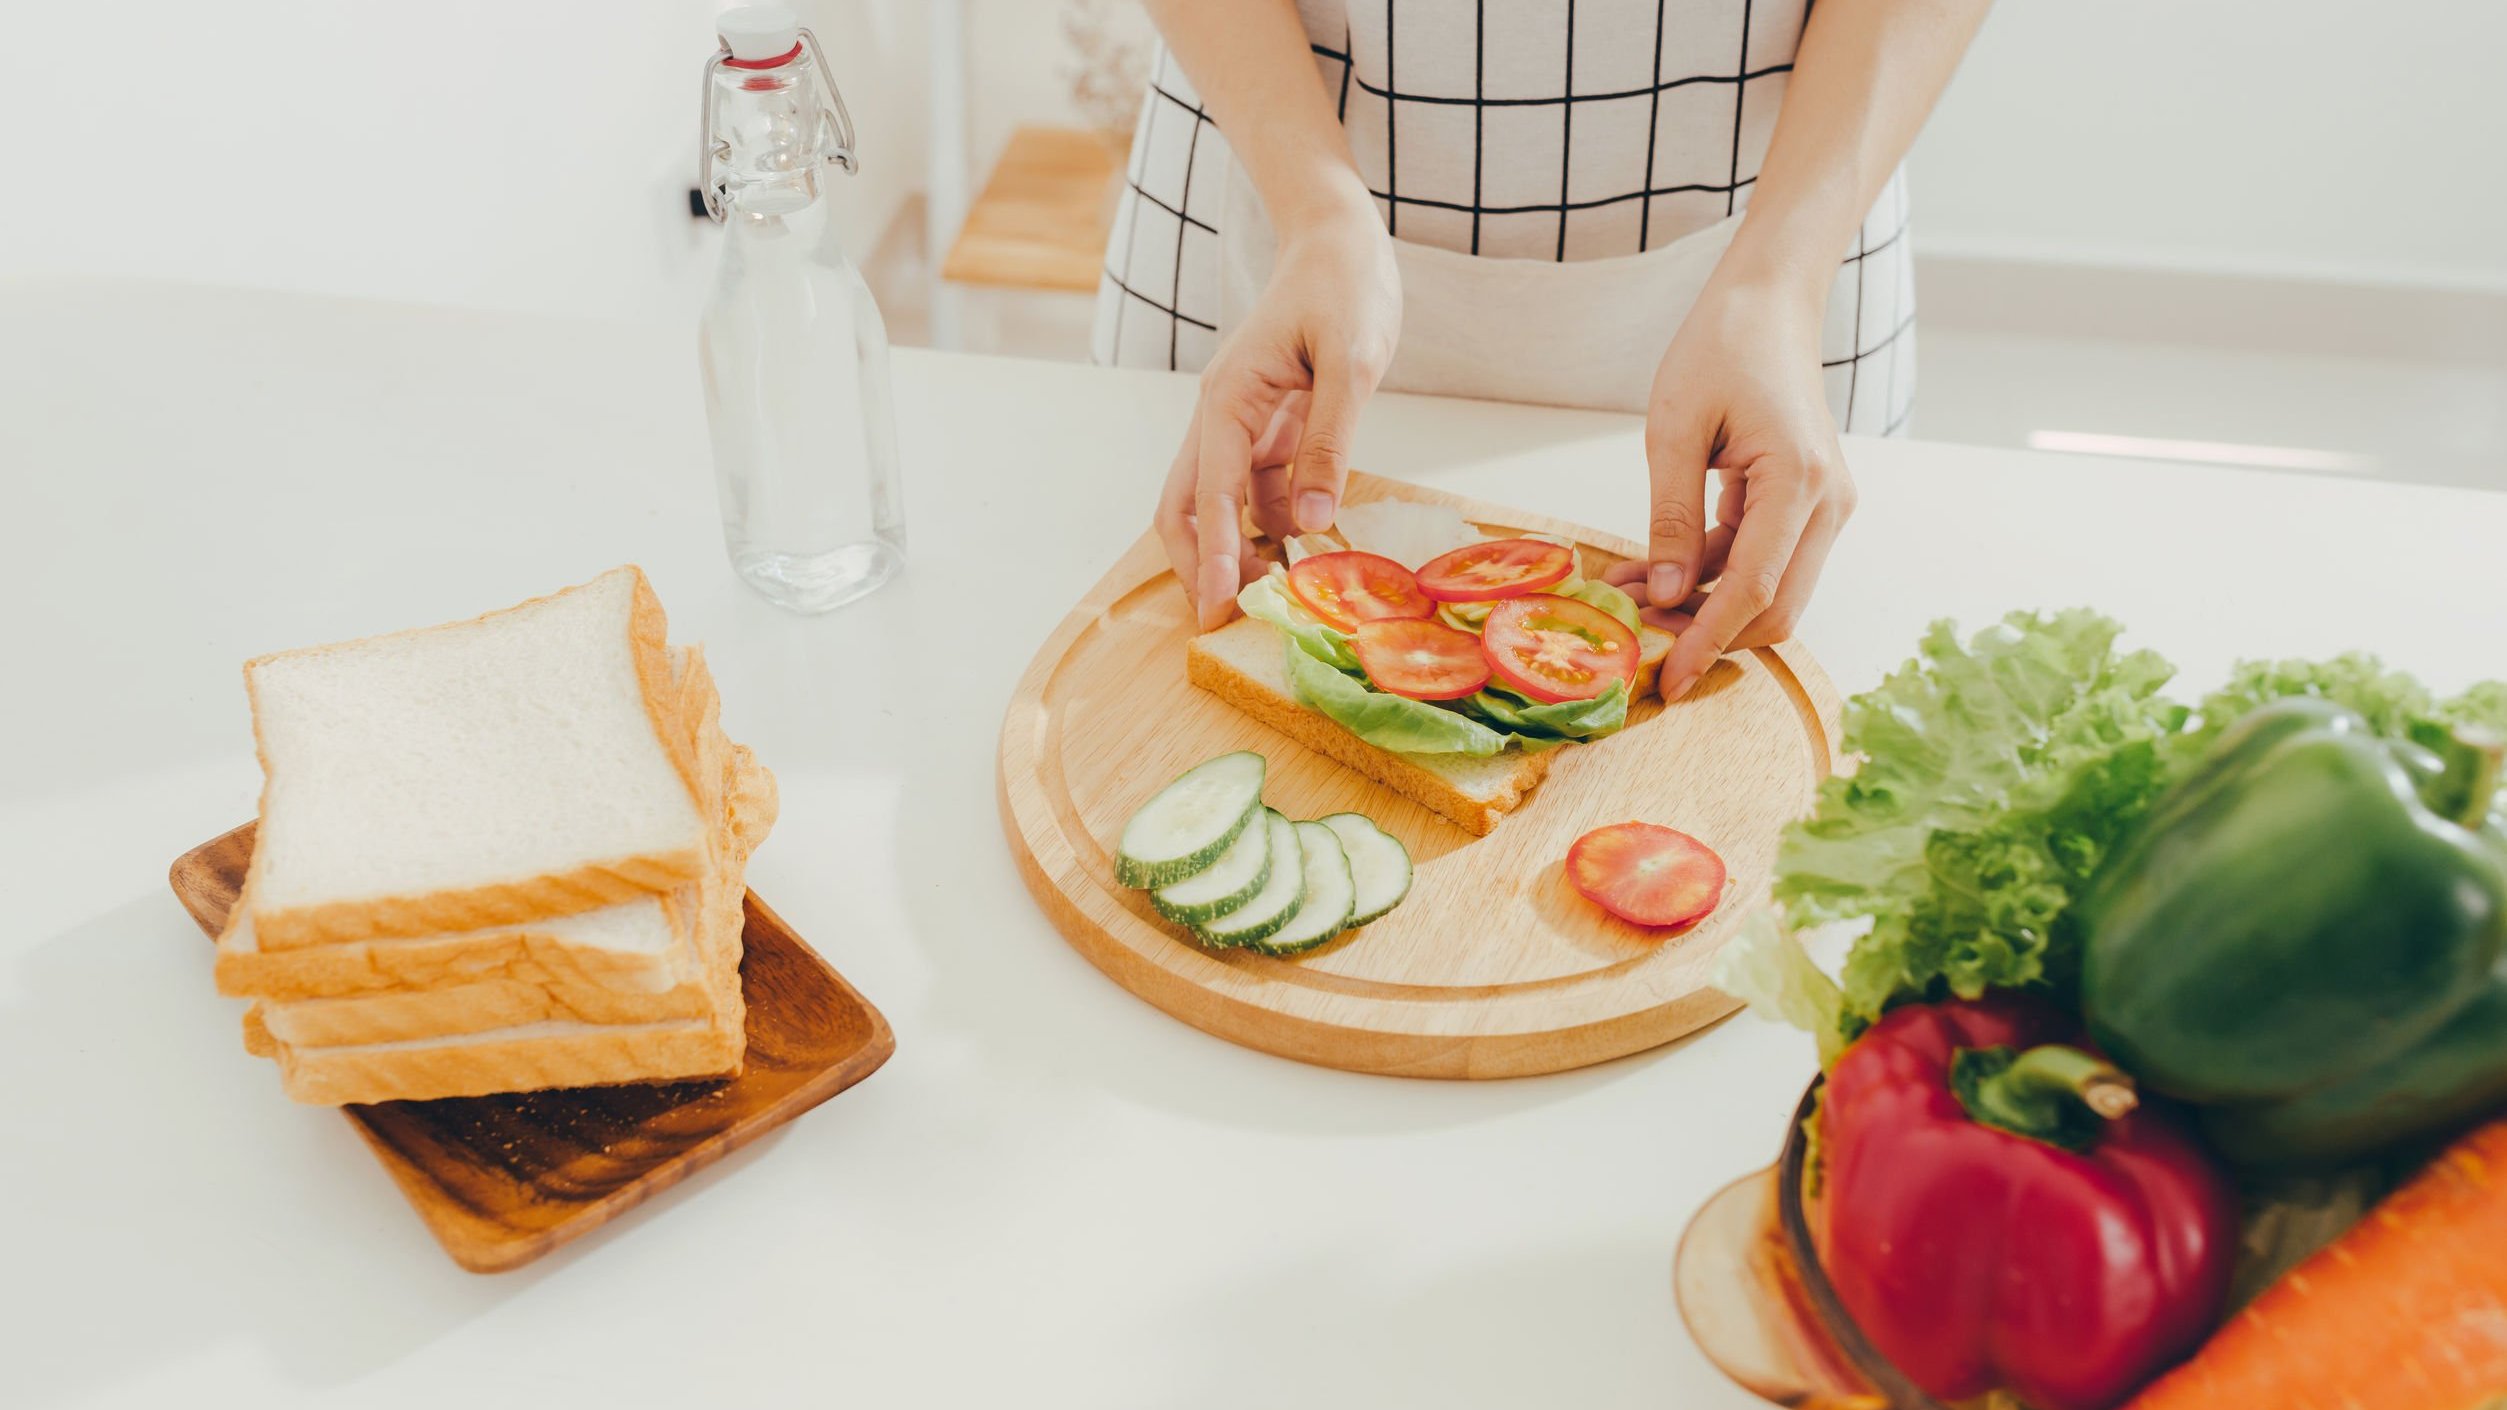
795, 355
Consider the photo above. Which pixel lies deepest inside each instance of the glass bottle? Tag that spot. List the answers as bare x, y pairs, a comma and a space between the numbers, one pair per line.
794, 351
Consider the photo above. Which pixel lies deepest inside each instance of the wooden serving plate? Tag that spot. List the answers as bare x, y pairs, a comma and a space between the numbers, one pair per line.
503, 1180
1494, 966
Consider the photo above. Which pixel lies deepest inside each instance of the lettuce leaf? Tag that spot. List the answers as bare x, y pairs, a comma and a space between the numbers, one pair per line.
1267, 599
1606, 597
1570, 719
2388, 700
1765, 966
2482, 707
1995, 777
1386, 721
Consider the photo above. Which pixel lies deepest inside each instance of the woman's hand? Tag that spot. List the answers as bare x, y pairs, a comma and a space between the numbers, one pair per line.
1739, 391
1284, 390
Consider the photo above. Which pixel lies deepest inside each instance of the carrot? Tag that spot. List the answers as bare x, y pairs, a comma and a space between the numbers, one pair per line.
2405, 1311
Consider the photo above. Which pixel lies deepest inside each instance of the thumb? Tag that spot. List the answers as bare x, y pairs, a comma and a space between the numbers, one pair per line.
1677, 448
1322, 469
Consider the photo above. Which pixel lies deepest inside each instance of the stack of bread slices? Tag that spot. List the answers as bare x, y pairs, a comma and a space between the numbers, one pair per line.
495, 856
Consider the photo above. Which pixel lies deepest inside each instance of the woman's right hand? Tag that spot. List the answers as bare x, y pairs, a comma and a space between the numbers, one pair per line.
1279, 403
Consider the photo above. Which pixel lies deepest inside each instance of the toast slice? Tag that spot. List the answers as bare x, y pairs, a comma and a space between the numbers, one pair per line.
527, 1059
532, 1056
684, 980
1243, 663
518, 766
624, 948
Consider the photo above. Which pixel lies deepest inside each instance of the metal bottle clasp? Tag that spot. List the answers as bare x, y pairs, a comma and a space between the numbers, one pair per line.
710, 151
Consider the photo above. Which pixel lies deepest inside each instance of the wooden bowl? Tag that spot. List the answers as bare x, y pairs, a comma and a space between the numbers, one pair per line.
1754, 1297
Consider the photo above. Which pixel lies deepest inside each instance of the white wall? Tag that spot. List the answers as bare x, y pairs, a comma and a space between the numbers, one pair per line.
467, 152
2357, 140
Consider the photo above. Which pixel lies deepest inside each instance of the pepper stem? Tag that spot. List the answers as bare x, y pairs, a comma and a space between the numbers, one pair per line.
2052, 1093
2487, 751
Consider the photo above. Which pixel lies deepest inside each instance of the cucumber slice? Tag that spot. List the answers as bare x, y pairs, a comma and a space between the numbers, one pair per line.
1191, 821
1377, 861
1276, 904
1331, 894
1222, 886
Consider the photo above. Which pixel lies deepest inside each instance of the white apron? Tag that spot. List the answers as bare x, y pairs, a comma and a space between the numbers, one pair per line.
1556, 203
1586, 333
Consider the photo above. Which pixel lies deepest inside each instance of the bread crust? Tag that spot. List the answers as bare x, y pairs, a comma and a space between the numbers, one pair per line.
516, 900
527, 953
706, 951
650, 1053
543, 897
479, 1062
471, 1008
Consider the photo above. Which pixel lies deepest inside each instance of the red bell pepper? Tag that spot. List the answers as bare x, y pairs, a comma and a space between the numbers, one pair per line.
1997, 1210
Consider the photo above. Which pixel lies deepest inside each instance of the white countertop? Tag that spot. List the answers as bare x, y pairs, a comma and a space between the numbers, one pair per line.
1053, 1194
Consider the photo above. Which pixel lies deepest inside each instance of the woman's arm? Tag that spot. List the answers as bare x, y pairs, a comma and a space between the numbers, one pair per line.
1865, 77
1740, 389
1287, 385
1256, 74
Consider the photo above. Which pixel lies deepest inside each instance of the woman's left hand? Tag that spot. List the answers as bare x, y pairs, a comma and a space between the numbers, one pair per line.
1740, 391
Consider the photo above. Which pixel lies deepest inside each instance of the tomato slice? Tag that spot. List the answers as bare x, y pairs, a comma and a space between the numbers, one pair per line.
1424, 660
1498, 568
1348, 588
1647, 874
1554, 648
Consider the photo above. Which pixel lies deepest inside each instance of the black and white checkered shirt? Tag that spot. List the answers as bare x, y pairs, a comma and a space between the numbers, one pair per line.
1518, 129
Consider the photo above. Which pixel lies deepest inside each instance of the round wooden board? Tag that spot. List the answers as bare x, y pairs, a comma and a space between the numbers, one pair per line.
1494, 966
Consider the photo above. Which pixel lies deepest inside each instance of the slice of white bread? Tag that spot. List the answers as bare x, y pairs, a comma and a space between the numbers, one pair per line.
526, 1059
533, 1056
1243, 664
623, 947
685, 980
518, 766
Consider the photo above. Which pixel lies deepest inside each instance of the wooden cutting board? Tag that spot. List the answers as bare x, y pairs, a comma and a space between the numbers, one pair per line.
1494, 966
503, 1180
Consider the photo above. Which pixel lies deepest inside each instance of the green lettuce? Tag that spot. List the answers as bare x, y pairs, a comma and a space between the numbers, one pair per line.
1540, 723
1267, 599
1765, 966
2389, 701
1606, 597
1385, 721
1995, 777
2484, 707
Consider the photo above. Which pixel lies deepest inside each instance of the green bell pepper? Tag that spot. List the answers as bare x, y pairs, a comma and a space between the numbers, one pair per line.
2307, 937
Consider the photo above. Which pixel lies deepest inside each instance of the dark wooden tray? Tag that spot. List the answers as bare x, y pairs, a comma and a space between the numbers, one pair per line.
502, 1180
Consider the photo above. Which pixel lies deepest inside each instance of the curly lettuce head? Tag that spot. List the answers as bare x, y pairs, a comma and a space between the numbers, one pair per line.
1995, 778
1995, 775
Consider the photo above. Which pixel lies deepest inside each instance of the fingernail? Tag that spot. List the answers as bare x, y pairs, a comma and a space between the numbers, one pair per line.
1680, 686
1314, 512
1663, 584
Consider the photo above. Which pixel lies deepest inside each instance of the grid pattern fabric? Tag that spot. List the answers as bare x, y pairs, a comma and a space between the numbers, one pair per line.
1520, 129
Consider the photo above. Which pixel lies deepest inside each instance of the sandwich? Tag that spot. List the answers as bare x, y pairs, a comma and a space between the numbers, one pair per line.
1449, 663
